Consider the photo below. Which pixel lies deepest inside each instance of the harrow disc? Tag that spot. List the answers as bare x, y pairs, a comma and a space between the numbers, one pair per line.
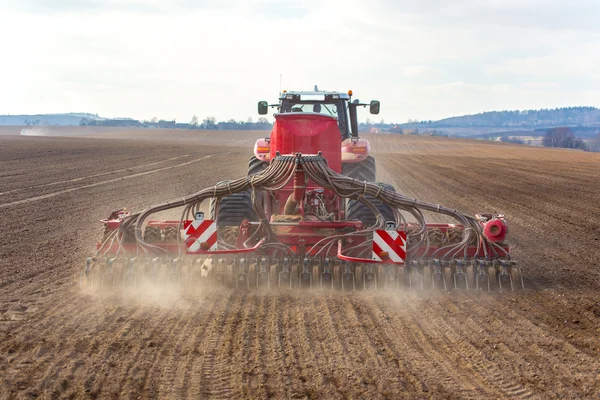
273, 277
359, 277
448, 278
337, 277
470, 271
316, 277
493, 278
381, 276
401, 277
230, 276
295, 275
370, 279
517, 278
252, 276
427, 277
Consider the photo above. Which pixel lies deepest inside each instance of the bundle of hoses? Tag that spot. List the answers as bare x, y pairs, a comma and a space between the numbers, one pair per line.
282, 169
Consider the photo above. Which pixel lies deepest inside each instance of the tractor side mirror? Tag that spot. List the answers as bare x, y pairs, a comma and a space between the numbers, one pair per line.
263, 107
374, 107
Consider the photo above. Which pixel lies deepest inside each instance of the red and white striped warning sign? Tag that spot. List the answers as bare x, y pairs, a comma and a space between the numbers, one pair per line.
389, 247
200, 231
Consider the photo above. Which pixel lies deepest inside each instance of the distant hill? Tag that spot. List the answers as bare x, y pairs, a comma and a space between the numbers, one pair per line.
584, 121
47, 119
529, 119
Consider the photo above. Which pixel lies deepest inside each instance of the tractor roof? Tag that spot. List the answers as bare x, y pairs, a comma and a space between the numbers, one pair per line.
317, 95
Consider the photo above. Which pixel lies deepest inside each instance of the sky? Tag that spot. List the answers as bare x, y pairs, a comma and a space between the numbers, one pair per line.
424, 60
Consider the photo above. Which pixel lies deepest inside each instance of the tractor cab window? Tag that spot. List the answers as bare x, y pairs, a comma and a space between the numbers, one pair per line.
330, 109
334, 109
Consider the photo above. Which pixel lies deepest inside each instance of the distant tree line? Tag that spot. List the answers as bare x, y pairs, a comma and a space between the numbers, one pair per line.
511, 139
589, 131
563, 137
519, 119
208, 123
594, 144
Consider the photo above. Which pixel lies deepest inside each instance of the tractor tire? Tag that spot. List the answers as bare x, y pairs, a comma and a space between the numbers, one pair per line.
356, 210
235, 208
362, 171
255, 166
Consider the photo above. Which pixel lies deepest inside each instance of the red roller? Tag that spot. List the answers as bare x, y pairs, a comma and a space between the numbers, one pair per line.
495, 230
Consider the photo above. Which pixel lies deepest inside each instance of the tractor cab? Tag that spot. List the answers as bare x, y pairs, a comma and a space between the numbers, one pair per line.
324, 103
333, 104
320, 106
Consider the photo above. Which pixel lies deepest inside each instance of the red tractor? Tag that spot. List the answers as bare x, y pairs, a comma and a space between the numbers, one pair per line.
309, 214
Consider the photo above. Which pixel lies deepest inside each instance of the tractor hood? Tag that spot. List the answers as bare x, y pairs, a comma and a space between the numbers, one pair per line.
307, 133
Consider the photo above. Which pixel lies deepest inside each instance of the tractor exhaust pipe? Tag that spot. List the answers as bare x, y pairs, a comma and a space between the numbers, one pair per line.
353, 118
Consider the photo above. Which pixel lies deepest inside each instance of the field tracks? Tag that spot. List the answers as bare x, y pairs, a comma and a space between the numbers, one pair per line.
91, 185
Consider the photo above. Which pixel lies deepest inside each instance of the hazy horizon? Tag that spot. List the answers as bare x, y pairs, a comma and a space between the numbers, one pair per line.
423, 60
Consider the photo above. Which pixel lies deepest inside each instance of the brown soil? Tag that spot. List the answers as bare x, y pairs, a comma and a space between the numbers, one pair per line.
57, 341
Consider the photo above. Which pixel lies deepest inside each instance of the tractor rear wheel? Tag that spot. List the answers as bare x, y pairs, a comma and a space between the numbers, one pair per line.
235, 208
356, 210
363, 171
255, 166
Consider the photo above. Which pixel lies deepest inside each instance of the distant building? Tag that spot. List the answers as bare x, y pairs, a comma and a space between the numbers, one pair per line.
167, 124
110, 122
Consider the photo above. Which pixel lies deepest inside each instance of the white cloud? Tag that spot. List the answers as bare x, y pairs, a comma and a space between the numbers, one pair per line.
420, 71
427, 59
538, 85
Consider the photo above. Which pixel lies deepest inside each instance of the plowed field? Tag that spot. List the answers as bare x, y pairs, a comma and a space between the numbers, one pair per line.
59, 342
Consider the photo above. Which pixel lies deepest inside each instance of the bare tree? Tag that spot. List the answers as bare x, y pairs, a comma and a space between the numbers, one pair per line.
194, 121
563, 137
209, 123
594, 144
